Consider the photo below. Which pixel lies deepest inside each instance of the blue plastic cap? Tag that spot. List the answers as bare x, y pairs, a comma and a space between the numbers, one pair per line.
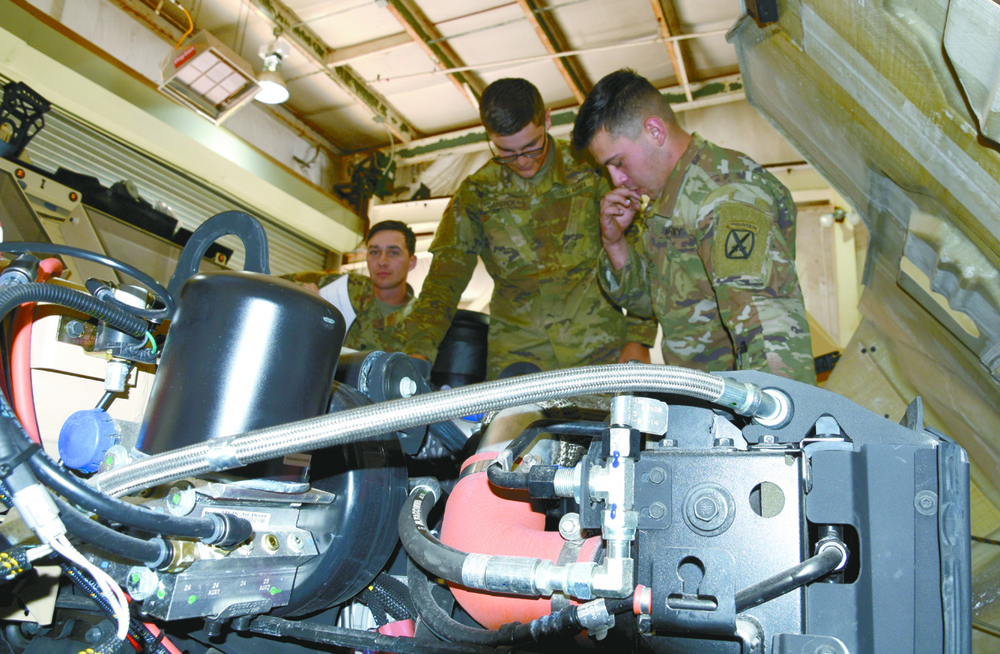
85, 438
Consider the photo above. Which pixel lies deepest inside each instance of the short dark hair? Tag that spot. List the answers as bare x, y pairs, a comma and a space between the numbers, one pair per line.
509, 104
395, 226
618, 104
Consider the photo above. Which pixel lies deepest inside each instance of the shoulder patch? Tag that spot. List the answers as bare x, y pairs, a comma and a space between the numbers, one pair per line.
741, 240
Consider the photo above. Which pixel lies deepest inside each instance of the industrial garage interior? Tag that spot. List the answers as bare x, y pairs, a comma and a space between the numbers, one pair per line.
881, 117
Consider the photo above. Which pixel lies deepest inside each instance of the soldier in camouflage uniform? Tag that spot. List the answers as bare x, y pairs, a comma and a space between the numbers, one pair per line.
531, 214
373, 307
713, 254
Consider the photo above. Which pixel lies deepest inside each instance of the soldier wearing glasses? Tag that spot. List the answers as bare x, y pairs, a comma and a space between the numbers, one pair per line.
531, 213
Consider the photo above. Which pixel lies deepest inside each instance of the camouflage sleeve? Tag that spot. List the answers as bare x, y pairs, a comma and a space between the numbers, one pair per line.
318, 277
629, 286
750, 262
457, 244
640, 330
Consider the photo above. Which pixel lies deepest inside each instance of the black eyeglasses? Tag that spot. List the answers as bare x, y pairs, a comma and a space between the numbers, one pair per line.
527, 154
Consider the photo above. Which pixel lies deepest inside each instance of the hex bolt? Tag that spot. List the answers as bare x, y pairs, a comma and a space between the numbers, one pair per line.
181, 501
709, 509
407, 387
141, 582
94, 635
925, 502
705, 509
657, 475
295, 543
569, 527
644, 624
74, 328
657, 510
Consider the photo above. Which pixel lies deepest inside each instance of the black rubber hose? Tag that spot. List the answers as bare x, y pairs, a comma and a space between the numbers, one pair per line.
418, 541
69, 251
51, 475
797, 576
518, 480
443, 625
12, 297
501, 478
104, 292
565, 622
210, 528
152, 553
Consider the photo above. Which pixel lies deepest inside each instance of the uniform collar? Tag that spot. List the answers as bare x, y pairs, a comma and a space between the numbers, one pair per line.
664, 204
368, 294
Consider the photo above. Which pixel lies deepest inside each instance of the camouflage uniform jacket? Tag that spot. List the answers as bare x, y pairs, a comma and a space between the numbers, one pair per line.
539, 239
370, 329
714, 260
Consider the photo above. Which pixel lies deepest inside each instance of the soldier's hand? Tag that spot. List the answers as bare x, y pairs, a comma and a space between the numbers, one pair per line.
634, 352
618, 209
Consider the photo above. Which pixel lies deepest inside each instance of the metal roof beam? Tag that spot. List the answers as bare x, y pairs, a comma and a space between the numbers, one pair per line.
344, 76
552, 38
426, 35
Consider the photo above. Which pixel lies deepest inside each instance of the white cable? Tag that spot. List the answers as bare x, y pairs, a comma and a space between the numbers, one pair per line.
111, 591
39, 552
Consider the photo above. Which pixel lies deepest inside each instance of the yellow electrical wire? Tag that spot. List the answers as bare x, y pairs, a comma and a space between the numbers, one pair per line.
190, 26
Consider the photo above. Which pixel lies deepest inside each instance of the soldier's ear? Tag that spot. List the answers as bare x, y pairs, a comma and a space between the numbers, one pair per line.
656, 129
413, 262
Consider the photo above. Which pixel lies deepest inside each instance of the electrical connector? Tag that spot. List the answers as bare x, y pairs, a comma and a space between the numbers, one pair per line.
39, 512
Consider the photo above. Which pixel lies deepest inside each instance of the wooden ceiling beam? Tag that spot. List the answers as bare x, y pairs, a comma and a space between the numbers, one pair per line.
552, 38
669, 25
344, 56
426, 35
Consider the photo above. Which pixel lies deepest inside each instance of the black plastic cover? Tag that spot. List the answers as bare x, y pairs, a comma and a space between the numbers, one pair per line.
244, 351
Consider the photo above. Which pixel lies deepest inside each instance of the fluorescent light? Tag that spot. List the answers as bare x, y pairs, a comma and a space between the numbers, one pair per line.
208, 77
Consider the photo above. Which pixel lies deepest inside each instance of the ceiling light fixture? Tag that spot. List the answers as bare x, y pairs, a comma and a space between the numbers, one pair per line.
208, 77
272, 84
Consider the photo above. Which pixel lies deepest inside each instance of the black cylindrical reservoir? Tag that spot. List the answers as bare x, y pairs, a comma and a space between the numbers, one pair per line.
243, 351
461, 357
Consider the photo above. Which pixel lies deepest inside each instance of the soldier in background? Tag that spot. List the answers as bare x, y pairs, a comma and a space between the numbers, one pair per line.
713, 254
531, 213
374, 306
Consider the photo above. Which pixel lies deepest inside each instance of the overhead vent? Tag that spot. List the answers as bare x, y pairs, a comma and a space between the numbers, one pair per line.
209, 78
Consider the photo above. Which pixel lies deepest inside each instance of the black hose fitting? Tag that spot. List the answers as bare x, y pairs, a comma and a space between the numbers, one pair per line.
230, 530
542, 482
13, 296
68, 250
